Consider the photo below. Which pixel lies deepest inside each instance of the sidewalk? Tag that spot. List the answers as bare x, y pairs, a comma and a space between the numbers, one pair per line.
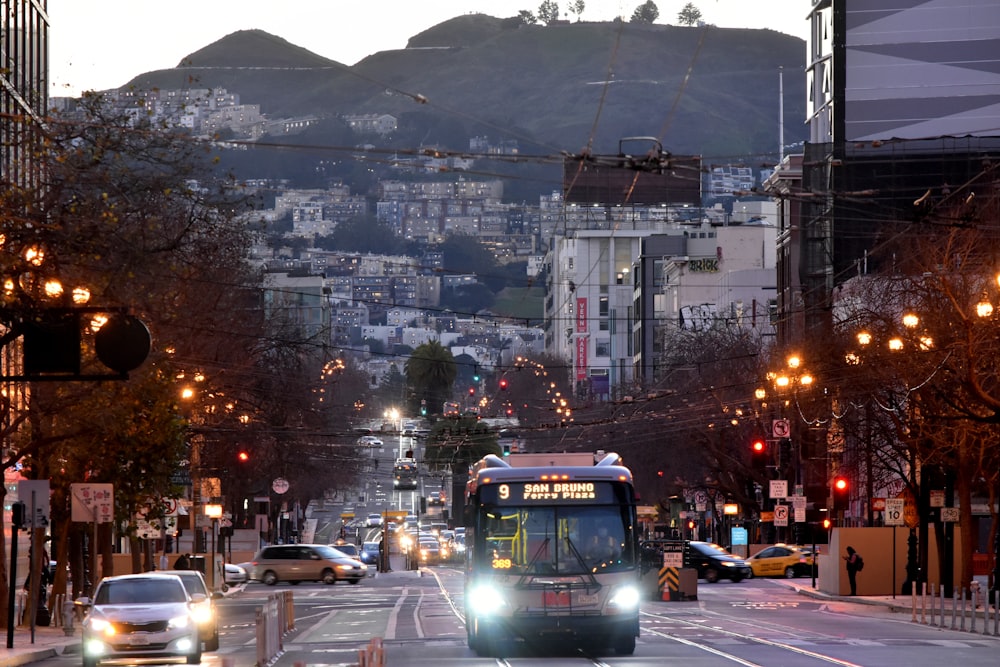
900, 603
49, 642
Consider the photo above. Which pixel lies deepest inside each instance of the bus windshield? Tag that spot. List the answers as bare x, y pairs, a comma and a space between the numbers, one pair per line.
559, 540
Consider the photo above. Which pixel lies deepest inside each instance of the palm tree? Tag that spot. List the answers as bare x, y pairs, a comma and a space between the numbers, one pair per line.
430, 373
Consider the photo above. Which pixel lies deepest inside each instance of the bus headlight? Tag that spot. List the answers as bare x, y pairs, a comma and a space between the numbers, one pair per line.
485, 600
625, 598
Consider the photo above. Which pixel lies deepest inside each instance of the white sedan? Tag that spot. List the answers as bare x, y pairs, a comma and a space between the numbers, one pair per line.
235, 574
369, 441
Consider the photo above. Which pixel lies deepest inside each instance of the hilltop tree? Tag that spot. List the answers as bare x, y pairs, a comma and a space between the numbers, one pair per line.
647, 12
527, 17
430, 373
577, 8
689, 15
548, 12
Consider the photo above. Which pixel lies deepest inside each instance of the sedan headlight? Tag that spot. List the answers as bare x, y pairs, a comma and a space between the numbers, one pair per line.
727, 563
202, 613
485, 600
179, 622
102, 626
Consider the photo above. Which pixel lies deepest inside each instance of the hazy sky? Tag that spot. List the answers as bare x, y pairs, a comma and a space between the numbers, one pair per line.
101, 44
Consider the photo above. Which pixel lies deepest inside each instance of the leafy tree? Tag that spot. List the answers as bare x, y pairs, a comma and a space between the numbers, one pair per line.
430, 373
548, 12
577, 8
360, 234
527, 17
455, 444
468, 299
464, 254
689, 15
645, 13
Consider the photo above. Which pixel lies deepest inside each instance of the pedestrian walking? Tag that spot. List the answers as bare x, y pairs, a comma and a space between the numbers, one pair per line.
183, 562
854, 565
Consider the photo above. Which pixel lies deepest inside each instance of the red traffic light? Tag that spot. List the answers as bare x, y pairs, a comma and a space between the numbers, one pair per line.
243, 456
840, 485
472, 391
758, 446
503, 384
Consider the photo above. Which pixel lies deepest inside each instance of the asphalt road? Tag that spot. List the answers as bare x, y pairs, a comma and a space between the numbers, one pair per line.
756, 622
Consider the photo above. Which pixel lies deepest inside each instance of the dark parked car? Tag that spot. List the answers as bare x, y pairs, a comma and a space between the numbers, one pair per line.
710, 560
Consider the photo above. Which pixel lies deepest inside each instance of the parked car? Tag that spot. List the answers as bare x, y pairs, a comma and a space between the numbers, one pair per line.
140, 616
434, 498
781, 560
305, 562
235, 574
204, 612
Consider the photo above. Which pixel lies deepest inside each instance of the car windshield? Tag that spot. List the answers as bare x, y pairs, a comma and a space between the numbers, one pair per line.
556, 540
193, 583
140, 591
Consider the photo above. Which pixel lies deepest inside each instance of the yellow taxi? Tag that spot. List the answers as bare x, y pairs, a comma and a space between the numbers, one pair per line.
782, 560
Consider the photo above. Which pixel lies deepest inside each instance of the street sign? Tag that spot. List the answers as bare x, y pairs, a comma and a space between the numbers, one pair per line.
799, 514
673, 555
878, 504
778, 488
280, 485
781, 515
92, 502
949, 514
937, 498
780, 428
894, 512
34, 493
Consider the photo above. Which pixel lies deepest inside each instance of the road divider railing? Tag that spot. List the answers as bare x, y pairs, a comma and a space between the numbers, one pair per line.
275, 619
372, 655
966, 607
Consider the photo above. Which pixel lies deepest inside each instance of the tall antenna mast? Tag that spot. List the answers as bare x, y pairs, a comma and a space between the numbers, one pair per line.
781, 114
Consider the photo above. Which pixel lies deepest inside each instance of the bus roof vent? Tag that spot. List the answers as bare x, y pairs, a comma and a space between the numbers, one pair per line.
610, 459
494, 461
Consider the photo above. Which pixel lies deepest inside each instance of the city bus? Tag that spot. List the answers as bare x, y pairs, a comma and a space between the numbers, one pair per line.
404, 474
552, 554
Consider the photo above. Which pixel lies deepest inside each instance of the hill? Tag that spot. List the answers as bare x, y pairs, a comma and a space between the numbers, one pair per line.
709, 91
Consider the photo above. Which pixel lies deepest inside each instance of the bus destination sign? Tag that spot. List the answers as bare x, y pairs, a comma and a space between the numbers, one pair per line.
529, 493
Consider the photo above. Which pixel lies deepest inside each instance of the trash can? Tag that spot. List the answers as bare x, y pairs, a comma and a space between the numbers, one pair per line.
198, 563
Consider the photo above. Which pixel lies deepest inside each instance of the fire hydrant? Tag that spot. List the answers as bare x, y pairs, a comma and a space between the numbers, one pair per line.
69, 612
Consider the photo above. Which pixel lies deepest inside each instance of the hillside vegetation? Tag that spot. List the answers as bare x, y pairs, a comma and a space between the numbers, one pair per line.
552, 88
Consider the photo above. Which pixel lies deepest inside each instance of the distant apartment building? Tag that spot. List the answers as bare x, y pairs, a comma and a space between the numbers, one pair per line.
380, 124
730, 181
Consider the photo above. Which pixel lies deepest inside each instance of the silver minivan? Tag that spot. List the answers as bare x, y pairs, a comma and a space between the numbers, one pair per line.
305, 562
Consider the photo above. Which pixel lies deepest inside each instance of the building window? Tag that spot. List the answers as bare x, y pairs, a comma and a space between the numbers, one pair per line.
602, 348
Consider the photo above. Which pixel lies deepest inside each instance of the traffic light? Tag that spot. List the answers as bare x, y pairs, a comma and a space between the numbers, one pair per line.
503, 384
423, 410
243, 456
472, 391
826, 524
758, 453
506, 450
841, 490
475, 375
17, 515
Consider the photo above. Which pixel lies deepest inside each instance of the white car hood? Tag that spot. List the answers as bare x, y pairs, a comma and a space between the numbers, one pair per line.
140, 613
